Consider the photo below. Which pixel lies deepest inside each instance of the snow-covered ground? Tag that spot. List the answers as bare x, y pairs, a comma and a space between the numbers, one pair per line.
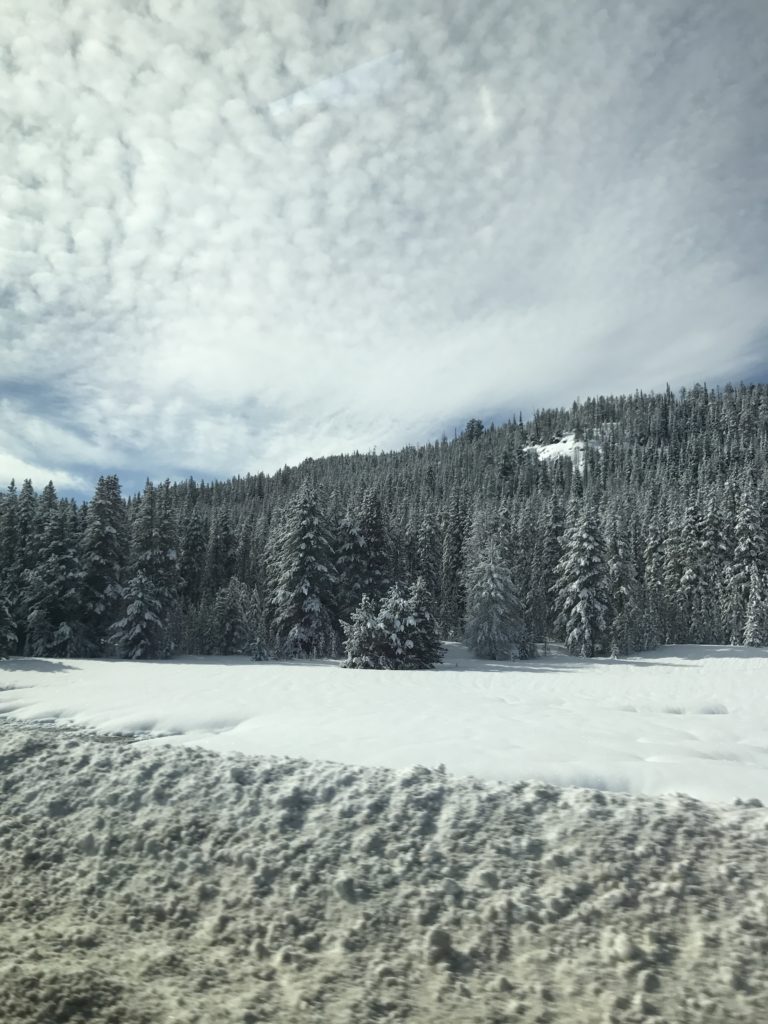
175, 886
679, 719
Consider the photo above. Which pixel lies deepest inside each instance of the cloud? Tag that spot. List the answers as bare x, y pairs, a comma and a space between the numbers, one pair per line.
233, 235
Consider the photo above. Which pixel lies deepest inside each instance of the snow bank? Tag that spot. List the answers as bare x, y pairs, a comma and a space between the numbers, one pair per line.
680, 719
177, 885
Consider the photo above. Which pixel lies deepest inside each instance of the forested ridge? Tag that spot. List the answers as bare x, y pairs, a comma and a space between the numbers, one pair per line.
655, 533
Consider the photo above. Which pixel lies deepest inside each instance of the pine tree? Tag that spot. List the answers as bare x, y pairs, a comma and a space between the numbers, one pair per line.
153, 585
256, 642
495, 625
220, 552
303, 582
103, 551
52, 589
8, 638
194, 546
401, 634
581, 589
749, 552
141, 632
364, 557
396, 624
756, 626
623, 631
452, 587
229, 623
363, 641
427, 649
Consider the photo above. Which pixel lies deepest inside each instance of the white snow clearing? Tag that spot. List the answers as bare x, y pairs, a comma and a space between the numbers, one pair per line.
678, 719
179, 886
565, 447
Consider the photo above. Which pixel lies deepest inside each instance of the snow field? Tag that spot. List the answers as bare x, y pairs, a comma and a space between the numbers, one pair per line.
679, 719
178, 885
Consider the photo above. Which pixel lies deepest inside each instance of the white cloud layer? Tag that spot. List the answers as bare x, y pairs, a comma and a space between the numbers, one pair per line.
234, 233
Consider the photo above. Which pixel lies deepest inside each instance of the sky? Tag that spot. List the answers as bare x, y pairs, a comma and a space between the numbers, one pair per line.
238, 233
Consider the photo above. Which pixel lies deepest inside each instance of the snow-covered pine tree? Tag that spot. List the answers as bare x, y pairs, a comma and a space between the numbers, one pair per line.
363, 562
494, 627
401, 634
623, 629
228, 628
427, 649
303, 582
581, 588
141, 632
750, 551
8, 638
429, 555
153, 583
363, 639
52, 589
756, 625
257, 643
396, 624
452, 587
220, 552
103, 549
194, 545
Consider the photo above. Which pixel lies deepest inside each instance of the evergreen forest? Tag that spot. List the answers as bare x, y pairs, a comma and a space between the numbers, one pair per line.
655, 533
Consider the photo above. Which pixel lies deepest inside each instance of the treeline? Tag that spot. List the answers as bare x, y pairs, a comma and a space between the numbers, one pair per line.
656, 535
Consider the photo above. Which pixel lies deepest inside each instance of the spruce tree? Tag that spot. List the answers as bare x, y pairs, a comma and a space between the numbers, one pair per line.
581, 588
8, 638
228, 627
52, 588
103, 551
427, 649
303, 582
495, 627
363, 639
756, 625
141, 631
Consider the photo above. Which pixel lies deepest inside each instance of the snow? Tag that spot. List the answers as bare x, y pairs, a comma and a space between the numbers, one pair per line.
690, 719
566, 448
144, 885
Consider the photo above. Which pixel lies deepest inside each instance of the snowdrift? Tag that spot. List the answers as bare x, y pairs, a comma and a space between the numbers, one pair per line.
143, 884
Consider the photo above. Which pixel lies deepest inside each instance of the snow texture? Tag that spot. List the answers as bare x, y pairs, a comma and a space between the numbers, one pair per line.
178, 885
679, 719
